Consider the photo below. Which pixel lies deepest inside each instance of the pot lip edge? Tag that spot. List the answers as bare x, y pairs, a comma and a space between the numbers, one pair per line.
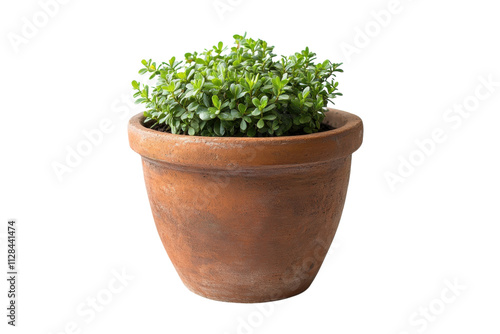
351, 121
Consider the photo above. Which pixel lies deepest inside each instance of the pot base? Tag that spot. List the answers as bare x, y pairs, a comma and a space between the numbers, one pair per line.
249, 299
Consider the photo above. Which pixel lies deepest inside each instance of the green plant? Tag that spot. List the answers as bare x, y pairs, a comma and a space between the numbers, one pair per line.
244, 92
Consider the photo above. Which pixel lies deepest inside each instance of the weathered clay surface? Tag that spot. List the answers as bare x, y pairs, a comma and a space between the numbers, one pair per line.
248, 219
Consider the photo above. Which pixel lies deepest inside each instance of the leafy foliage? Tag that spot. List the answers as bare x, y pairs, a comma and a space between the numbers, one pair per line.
244, 92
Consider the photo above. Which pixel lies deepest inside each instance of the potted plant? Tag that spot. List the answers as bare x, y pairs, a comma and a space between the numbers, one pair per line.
246, 168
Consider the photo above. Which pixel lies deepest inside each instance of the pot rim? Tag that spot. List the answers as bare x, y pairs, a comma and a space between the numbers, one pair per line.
343, 140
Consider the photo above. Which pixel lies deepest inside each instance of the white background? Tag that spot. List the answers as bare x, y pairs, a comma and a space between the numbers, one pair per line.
396, 248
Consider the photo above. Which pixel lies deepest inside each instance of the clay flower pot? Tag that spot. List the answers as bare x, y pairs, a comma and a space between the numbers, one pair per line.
248, 219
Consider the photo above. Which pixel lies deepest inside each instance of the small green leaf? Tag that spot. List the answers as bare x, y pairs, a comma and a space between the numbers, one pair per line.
263, 101
235, 114
200, 61
170, 87
192, 106
243, 125
222, 130
217, 126
206, 100
191, 131
255, 112
205, 116
256, 102
260, 123
242, 108
216, 101
226, 116
270, 107
217, 82
306, 92
305, 119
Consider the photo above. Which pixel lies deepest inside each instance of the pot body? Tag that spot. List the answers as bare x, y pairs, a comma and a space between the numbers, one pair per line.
248, 219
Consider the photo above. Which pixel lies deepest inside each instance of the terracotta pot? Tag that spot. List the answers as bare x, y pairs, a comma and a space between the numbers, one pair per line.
248, 219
